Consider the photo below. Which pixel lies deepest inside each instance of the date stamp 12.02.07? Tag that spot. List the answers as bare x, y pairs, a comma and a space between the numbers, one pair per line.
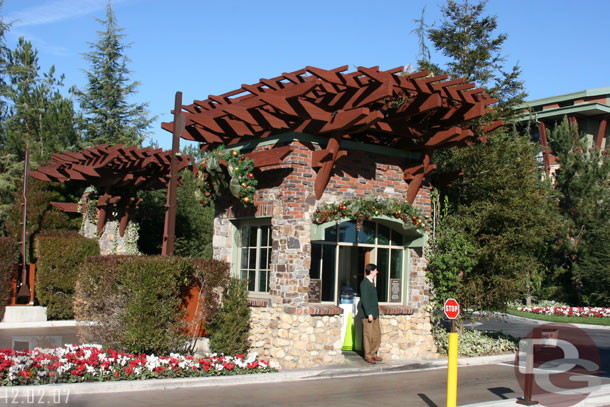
32, 396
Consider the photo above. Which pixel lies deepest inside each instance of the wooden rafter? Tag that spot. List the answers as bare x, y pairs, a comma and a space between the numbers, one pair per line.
417, 111
120, 171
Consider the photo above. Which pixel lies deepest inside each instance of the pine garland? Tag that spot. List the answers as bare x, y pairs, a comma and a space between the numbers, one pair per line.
212, 176
366, 208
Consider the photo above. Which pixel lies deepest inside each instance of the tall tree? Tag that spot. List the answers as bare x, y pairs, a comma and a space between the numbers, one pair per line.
40, 118
109, 117
466, 36
583, 180
500, 208
505, 214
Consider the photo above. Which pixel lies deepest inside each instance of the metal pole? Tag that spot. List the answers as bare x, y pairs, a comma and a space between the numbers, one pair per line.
24, 290
170, 214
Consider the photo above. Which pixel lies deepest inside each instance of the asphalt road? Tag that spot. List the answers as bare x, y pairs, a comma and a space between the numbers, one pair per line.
425, 388
521, 327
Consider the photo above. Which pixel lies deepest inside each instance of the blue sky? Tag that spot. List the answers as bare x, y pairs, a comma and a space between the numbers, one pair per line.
211, 47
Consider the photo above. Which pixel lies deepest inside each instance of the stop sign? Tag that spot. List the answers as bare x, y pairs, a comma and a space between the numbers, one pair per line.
452, 308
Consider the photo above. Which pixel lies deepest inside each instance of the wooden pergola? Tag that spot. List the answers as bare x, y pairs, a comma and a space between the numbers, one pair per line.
116, 170
416, 112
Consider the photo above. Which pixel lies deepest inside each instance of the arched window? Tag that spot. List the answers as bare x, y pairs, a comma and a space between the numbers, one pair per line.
340, 252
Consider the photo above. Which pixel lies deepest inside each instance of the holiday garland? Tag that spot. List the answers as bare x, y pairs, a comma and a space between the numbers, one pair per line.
212, 175
367, 208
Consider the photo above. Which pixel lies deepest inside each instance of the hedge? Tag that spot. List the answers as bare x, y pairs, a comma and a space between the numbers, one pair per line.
134, 303
59, 255
8, 258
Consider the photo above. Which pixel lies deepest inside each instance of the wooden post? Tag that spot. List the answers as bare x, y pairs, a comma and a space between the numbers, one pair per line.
170, 214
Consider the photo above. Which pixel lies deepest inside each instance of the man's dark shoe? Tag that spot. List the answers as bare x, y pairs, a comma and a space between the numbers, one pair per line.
377, 358
371, 361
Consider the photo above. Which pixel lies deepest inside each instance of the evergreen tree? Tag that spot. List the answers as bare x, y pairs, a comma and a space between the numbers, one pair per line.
466, 37
108, 115
583, 180
500, 209
40, 118
506, 215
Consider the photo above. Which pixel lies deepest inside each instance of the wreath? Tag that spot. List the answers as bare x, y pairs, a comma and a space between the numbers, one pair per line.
366, 208
212, 175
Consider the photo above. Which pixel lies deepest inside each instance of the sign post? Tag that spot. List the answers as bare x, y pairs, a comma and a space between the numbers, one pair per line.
452, 310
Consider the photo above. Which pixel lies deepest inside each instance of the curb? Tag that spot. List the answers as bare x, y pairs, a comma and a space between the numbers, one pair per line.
538, 321
39, 324
276, 377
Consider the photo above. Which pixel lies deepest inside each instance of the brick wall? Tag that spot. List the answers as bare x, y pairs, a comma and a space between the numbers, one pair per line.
286, 192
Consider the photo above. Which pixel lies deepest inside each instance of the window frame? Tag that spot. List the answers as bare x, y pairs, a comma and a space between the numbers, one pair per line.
237, 258
407, 241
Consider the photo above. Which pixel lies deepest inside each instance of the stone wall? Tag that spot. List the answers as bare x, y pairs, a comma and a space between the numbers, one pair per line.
111, 242
298, 341
406, 337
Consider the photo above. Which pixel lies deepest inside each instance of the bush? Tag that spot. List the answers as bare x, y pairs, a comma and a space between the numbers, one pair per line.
476, 343
136, 301
58, 258
8, 258
230, 327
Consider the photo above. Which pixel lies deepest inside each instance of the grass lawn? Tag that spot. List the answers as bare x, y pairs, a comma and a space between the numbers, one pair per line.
560, 318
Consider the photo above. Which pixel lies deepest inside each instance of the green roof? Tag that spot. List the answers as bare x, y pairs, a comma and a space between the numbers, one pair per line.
568, 96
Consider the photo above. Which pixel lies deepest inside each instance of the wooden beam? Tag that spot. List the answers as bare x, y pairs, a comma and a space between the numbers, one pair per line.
545, 146
601, 132
270, 157
326, 158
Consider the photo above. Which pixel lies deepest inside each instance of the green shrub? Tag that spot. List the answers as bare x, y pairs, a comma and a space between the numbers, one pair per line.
153, 319
8, 258
59, 255
97, 298
476, 343
136, 301
230, 327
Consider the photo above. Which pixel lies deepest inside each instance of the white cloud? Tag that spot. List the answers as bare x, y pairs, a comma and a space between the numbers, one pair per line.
52, 11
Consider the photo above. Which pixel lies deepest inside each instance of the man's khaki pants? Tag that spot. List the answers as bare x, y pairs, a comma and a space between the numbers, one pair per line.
371, 337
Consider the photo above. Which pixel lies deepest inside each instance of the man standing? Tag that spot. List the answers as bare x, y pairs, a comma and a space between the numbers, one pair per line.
370, 315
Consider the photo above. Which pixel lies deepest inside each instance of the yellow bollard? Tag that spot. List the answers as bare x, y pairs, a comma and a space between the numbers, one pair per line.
452, 370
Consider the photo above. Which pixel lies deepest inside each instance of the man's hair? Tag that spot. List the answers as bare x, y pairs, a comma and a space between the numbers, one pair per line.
370, 267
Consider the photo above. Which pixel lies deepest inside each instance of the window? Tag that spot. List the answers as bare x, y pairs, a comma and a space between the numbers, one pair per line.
338, 262
255, 256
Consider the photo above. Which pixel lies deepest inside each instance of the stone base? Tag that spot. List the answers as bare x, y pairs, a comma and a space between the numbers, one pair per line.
25, 313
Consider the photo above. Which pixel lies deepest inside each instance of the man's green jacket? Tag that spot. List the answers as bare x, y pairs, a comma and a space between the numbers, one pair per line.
368, 299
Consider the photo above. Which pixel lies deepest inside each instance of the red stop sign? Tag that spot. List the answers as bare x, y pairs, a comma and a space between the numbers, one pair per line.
452, 308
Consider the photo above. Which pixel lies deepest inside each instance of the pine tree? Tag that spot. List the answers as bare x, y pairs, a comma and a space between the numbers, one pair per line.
108, 115
38, 118
500, 205
583, 181
41, 119
466, 38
